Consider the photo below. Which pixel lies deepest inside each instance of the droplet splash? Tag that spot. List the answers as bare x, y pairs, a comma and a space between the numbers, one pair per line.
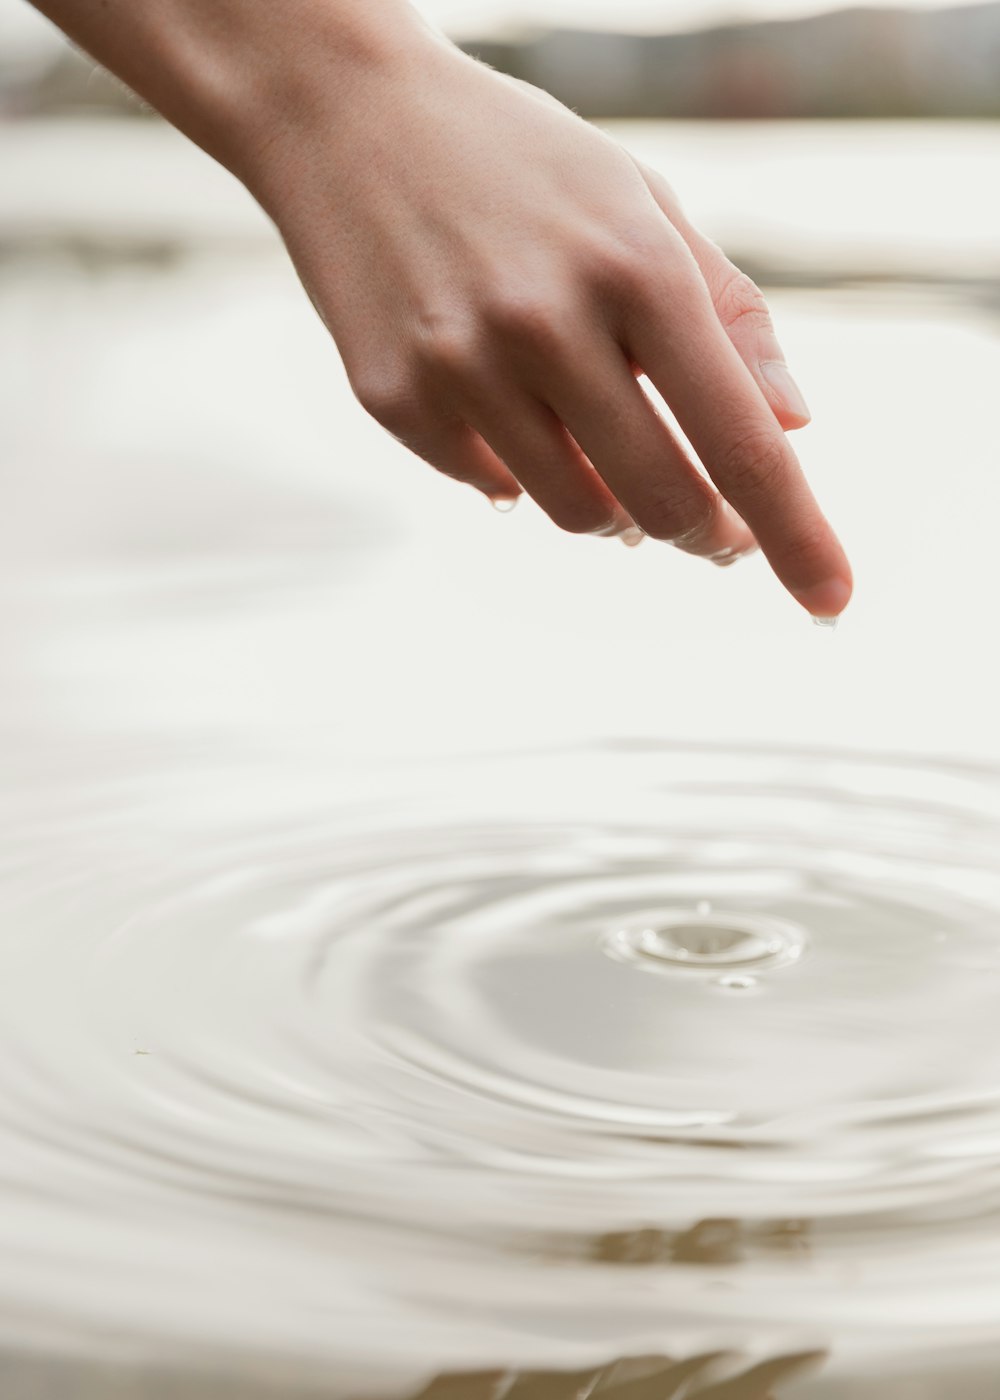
699, 941
735, 983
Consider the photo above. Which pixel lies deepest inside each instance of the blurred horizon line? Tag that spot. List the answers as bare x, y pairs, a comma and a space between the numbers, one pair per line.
861, 61
523, 28
857, 62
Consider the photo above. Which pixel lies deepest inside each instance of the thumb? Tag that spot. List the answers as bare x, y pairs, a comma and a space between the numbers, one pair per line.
741, 308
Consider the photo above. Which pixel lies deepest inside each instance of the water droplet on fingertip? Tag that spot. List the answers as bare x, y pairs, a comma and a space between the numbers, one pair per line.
504, 504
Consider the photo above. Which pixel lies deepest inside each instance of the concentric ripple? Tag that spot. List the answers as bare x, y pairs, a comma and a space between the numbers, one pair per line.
722, 944
295, 1087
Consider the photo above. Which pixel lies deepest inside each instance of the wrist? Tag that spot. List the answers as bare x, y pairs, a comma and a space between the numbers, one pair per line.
333, 69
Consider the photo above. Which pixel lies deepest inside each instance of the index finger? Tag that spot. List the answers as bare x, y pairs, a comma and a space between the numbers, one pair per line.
675, 336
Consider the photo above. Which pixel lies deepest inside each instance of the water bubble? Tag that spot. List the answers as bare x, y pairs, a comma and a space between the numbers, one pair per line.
504, 504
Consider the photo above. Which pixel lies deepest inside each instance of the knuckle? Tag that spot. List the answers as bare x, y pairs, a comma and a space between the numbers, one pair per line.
740, 301
449, 352
629, 280
753, 464
623, 258
526, 319
639, 264
670, 289
580, 517
673, 517
391, 399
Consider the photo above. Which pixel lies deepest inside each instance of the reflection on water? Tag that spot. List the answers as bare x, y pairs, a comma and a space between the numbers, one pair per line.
372, 1072
711, 1377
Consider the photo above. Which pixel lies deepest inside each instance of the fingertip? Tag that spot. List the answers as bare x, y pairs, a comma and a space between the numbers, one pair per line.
826, 600
792, 422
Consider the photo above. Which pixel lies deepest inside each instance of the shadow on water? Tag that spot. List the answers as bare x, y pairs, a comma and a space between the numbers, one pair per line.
709, 1377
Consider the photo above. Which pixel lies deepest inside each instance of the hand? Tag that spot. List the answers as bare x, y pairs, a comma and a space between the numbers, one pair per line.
495, 272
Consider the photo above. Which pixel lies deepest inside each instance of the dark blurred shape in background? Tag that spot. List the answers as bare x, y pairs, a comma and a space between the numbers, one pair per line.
847, 63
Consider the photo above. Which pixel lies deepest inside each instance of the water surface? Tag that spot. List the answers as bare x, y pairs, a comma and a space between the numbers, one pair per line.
286, 1090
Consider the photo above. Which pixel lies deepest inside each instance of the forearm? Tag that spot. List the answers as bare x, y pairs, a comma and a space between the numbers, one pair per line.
230, 73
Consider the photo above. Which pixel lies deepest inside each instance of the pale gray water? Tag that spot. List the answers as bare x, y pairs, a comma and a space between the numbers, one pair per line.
306, 1080
316, 1074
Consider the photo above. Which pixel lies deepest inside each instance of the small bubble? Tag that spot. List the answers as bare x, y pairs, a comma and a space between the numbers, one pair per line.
503, 504
736, 984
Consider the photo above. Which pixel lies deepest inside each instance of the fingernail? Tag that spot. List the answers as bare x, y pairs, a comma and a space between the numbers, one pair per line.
504, 504
787, 392
826, 601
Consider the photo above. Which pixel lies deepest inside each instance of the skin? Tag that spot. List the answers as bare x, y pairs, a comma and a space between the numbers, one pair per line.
495, 272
